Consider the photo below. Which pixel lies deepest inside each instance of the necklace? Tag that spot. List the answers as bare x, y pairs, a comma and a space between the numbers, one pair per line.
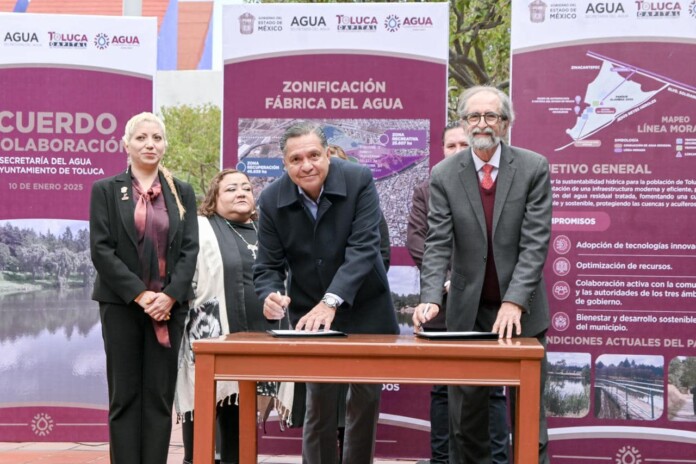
251, 247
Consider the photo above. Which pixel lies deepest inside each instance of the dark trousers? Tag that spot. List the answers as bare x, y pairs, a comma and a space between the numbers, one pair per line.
439, 425
470, 440
498, 426
228, 428
319, 444
470, 415
543, 431
141, 378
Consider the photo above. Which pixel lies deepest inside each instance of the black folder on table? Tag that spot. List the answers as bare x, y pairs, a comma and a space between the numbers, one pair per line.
458, 335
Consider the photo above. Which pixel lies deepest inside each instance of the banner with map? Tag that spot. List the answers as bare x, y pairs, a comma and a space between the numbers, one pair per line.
69, 84
607, 92
375, 75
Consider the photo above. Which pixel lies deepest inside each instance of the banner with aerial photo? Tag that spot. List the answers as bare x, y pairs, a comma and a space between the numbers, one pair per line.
69, 84
375, 75
606, 91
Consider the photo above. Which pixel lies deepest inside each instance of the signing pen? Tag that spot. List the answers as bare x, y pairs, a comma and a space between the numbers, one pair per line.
425, 314
280, 321
425, 311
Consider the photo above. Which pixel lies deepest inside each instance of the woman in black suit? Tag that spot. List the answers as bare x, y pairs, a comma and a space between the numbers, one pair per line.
144, 243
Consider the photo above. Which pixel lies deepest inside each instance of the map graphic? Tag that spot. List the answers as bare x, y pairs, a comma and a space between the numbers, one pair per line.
386, 146
396, 151
613, 96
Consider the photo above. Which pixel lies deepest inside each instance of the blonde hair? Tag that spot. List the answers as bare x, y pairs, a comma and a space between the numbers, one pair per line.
170, 181
168, 177
143, 117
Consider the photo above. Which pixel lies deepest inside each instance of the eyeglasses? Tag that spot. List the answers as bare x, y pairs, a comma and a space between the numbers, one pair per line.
490, 118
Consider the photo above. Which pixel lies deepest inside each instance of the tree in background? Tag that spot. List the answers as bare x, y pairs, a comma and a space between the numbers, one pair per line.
479, 46
688, 376
193, 134
7, 261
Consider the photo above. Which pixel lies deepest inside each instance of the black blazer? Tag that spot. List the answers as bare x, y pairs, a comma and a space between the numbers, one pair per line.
338, 253
113, 241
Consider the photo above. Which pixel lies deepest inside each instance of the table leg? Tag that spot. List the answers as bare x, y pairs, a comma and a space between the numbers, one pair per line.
204, 407
527, 414
248, 449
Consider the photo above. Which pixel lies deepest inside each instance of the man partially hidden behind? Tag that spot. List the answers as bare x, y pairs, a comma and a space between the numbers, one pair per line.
454, 140
490, 215
320, 220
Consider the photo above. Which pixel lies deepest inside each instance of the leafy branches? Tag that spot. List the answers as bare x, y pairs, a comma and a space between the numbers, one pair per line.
479, 45
193, 134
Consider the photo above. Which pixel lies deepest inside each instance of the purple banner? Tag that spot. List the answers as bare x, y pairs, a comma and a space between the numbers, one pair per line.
616, 121
389, 129
60, 130
375, 77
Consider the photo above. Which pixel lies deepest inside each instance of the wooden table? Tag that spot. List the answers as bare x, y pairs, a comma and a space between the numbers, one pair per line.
248, 357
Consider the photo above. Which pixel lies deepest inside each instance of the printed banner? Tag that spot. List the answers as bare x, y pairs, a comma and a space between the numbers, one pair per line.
69, 84
606, 91
375, 76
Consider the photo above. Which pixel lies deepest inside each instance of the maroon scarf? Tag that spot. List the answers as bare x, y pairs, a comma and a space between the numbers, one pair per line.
147, 248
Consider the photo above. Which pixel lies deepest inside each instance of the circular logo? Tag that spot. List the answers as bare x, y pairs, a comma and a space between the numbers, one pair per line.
561, 290
561, 244
392, 23
561, 266
241, 166
560, 321
101, 41
42, 424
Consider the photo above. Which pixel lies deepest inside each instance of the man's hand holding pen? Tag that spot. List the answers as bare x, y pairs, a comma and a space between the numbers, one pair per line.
275, 305
423, 313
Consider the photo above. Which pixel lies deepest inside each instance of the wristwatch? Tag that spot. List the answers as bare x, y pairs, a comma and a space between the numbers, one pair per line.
330, 301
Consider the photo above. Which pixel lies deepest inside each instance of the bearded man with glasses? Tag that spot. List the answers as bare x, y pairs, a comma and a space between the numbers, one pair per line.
490, 215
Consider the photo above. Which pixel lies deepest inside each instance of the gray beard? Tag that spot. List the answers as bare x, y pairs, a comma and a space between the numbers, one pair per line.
483, 143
